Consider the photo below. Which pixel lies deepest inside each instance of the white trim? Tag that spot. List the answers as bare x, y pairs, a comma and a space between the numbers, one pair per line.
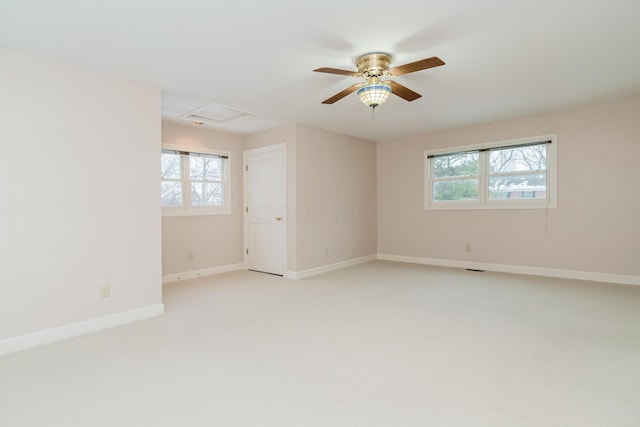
266, 148
195, 149
491, 144
195, 211
285, 184
297, 275
48, 336
190, 210
621, 279
170, 278
483, 202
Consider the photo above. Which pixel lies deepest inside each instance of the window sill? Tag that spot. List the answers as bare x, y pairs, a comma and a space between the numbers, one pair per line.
497, 205
169, 212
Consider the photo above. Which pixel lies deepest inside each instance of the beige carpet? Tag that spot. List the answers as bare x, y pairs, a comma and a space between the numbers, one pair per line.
380, 344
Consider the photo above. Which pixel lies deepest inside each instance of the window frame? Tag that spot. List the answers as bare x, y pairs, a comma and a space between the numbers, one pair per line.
187, 209
483, 202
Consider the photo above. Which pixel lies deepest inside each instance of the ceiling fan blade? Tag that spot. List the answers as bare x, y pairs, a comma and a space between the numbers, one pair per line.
423, 64
337, 71
340, 95
403, 91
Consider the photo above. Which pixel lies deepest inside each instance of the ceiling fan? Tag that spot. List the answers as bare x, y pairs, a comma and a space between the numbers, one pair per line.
374, 66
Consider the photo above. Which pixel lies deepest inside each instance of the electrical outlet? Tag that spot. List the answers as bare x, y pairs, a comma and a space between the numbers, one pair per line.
326, 251
105, 291
190, 256
468, 247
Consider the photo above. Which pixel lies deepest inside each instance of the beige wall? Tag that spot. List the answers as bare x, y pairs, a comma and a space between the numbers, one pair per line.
596, 226
336, 195
214, 240
331, 194
79, 195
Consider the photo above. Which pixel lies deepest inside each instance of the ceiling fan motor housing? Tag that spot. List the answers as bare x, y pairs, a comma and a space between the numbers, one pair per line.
373, 64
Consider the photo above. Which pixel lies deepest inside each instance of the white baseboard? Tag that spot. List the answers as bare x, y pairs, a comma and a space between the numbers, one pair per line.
297, 275
518, 269
170, 278
48, 336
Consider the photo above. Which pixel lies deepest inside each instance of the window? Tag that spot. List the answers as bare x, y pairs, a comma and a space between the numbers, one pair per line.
455, 176
194, 183
517, 174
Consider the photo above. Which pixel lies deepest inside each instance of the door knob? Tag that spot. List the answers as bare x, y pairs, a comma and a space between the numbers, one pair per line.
278, 218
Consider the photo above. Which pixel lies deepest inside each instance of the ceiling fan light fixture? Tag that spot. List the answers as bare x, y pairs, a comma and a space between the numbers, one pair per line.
374, 92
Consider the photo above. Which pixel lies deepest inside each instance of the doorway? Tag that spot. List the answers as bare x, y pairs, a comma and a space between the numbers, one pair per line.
265, 208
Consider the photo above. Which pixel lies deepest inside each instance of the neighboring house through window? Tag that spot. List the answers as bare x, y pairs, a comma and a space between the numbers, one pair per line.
518, 174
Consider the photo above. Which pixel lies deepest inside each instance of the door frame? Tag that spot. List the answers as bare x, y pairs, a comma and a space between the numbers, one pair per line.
245, 202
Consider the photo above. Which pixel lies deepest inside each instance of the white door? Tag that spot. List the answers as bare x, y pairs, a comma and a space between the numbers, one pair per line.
265, 209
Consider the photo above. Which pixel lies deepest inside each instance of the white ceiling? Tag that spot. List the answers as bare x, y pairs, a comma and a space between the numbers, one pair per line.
504, 58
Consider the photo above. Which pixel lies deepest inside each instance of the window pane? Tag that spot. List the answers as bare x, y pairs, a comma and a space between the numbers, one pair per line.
205, 168
530, 186
529, 158
170, 166
455, 189
206, 194
463, 164
171, 193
